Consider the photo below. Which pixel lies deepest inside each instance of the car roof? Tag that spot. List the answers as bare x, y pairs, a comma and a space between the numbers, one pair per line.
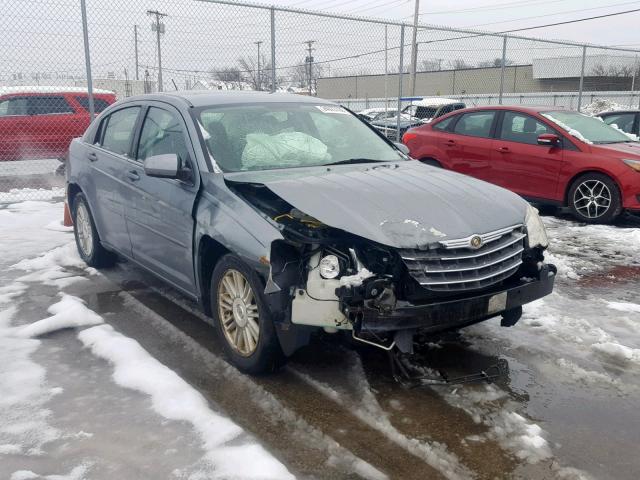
518, 108
609, 112
433, 101
50, 89
202, 98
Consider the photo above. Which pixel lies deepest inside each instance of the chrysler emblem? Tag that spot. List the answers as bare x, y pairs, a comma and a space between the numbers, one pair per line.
476, 241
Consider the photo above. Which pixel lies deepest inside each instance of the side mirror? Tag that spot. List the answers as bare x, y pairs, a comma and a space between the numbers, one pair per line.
402, 147
549, 139
163, 166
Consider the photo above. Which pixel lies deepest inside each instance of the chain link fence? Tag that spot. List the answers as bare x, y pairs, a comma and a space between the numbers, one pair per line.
64, 61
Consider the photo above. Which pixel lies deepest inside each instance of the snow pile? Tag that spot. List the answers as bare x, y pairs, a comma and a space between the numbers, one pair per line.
52, 267
175, 399
22, 227
20, 194
601, 105
77, 473
70, 312
624, 306
491, 407
24, 428
617, 354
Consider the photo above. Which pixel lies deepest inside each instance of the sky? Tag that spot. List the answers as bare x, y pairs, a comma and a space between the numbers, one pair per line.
499, 15
42, 39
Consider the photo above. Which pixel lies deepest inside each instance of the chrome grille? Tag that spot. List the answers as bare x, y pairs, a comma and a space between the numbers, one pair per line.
456, 266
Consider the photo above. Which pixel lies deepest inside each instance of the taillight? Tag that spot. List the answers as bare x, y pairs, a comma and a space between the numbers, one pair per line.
408, 136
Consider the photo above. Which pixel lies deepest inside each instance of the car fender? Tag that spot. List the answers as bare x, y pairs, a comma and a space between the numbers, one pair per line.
235, 225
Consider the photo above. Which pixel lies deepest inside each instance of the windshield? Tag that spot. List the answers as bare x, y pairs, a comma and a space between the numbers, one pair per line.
285, 135
587, 129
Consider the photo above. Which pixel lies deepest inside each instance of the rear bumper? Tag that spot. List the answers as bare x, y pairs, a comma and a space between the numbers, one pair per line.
435, 317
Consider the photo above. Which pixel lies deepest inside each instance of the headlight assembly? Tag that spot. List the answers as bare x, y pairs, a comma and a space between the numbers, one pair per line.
329, 267
635, 164
536, 233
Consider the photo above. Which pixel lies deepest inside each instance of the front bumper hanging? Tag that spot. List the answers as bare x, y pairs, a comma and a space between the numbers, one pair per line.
435, 317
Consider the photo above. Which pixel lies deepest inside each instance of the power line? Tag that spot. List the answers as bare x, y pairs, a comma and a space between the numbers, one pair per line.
556, 13
572, 21
492, 6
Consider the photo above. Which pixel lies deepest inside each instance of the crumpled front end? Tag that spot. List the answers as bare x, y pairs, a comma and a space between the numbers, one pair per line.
325, 277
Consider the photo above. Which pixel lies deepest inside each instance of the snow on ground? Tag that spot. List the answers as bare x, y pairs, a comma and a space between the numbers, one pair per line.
26, 423
366, 407
174, 399
29, 167
32, 194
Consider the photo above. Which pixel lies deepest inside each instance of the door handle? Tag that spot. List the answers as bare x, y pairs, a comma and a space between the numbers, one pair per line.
92, 156
450, 143
504, 150
133, 175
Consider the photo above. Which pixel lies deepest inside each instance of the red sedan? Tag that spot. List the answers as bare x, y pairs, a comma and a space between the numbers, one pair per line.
40, 122
547, 155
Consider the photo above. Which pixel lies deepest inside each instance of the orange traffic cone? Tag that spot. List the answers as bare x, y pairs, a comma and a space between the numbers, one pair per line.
67, 221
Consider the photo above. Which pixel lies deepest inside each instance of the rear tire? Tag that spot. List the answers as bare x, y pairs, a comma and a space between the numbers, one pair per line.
242, 317
594, 198
87, 239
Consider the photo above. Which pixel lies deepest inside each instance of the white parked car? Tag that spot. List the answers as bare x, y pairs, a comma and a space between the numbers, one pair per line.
428, 108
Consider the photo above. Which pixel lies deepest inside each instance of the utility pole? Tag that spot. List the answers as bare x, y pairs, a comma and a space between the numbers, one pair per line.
258, 79
309, 61
158, 27
414, 47
135, 39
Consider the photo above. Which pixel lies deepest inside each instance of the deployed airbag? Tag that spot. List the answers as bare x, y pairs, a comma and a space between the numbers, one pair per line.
288, 149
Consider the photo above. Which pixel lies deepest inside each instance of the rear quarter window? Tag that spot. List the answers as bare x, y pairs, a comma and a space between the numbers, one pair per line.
98, 103
445, 124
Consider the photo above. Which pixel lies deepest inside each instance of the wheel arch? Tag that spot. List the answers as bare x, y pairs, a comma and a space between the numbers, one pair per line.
209, 252
73, 189
572, 180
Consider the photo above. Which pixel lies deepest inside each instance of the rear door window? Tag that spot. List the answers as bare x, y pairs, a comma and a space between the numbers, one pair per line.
48, 105
522, 128
624, 121
117, 130
13, 106
475, 124
98, 103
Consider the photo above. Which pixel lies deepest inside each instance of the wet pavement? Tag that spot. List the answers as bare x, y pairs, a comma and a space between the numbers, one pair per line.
335, 411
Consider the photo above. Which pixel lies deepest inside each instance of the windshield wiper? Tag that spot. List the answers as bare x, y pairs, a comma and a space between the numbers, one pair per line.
355, 160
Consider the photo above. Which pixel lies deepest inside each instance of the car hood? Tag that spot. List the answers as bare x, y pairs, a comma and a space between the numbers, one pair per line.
629, 149
403, 205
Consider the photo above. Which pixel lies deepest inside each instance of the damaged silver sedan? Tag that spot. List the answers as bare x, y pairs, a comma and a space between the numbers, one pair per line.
285, 215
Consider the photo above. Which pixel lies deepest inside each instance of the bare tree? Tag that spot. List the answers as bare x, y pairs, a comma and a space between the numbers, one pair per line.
258, 80
600, 70
458, 64
226, 74
496, 62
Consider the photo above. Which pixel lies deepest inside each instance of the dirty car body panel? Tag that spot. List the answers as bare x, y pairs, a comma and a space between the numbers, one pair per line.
374, 245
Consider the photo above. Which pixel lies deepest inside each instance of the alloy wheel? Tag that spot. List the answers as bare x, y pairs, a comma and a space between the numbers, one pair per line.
83, 228
592, 199
238, 312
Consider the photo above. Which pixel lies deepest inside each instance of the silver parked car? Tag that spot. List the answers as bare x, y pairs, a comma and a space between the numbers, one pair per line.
284, 215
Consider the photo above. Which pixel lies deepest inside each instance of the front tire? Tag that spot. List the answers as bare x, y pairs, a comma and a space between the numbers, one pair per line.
595, 198
242, 318
87, 239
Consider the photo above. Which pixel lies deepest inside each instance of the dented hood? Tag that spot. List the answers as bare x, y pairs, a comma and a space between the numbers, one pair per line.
403, 205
